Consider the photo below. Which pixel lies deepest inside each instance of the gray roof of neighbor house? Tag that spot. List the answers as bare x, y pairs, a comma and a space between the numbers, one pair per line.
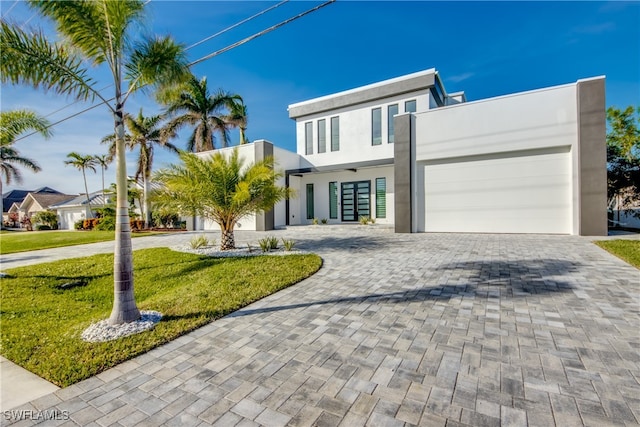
17, 196
95, 199
47, 200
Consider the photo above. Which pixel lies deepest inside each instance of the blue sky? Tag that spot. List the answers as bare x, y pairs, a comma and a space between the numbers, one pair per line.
486, 49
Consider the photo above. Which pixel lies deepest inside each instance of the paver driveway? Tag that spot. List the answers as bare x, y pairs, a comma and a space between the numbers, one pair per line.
425, 329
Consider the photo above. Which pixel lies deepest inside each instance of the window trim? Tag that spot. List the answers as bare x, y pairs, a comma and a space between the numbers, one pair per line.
381, 201
390, 126
335, 143
310, 202
322, 125
308, 138
374, 140
406, 110
333, 200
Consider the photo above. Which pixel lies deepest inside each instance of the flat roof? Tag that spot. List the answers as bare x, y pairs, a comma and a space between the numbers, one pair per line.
379, 90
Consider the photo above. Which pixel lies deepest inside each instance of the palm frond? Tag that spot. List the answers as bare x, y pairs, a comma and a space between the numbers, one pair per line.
31, 59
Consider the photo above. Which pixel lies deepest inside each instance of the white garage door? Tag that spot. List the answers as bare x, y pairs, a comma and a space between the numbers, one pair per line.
499, 194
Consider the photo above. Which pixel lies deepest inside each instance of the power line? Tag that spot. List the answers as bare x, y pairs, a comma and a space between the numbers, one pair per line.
10, 9
237, 24
261, 33
204, 58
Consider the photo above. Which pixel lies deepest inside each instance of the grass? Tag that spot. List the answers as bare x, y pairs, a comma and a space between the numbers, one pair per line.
42, 323
627, 250
22, 241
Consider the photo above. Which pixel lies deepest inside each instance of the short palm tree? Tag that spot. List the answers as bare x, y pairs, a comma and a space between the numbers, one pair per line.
103, 160
145, 133
96, 32
13, 124
82, 163
192, 105
219, 188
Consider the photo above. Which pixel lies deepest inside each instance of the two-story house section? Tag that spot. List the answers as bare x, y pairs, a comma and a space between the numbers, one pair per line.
347, 143
406, 153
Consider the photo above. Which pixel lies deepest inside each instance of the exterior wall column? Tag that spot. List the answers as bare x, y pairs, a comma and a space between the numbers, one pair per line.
404, 165
264, 221
590, 157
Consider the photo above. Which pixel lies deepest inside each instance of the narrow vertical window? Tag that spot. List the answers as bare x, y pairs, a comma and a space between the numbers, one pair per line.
376, 126
381, 197
392, 110
333, 200
310, 214
308, 137
322, 136
410, 106
335, 133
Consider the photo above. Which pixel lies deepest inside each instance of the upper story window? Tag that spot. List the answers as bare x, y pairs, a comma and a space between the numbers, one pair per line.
322, 136
335, 133
392, 110
410, 106
376, 126
308, 138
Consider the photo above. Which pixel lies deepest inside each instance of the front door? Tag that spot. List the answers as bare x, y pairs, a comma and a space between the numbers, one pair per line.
355, 200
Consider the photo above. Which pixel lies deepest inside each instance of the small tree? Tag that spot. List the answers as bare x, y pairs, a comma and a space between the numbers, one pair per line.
220, 189
49, 218
623, 158
82, 163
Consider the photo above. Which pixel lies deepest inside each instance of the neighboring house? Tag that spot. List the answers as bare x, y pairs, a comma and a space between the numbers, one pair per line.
36, 202
406, 153
624, 216
76, 208
11, 200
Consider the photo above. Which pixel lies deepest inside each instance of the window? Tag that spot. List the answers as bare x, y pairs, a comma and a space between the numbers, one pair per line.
333, 200
322, 136
376, 126
410, 106
310, 214
392, 110
308, 138
335, 133
381, 197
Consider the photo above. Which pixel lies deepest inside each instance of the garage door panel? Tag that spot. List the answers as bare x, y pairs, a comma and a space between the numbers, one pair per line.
521, 194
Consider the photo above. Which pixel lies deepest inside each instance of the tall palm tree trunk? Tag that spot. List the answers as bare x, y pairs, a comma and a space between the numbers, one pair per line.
86, 192
124, 304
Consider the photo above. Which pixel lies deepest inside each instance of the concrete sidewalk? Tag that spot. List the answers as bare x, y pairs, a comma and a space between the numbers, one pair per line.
397, 329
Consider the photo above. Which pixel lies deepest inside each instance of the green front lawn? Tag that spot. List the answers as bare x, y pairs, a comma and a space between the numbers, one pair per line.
42, 322
21, 241
627, 250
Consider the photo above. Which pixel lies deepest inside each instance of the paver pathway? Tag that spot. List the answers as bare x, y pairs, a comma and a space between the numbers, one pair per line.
423, 329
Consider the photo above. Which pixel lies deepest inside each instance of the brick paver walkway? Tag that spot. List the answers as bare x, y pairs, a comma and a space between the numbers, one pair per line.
425, 329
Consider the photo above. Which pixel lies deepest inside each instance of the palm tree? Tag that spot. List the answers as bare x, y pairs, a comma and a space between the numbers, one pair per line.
82, 163
145, 133
13, 124
103, 160
98, 32
192, 105
219, 189
238, 117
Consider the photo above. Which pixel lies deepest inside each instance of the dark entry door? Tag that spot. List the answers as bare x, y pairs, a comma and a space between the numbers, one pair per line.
356, 201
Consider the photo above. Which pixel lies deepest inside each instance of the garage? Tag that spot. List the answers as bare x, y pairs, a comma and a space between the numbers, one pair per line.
517, 192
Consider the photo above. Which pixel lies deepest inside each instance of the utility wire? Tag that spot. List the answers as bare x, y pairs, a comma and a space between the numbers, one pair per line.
261, 33
10, 9
237, 24
204, 58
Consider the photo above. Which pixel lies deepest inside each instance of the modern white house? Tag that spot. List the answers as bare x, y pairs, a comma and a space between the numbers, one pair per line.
75, 209
406, 153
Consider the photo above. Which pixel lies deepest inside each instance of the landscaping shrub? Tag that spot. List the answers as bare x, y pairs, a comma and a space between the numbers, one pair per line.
199, 242
78, 225
42, 227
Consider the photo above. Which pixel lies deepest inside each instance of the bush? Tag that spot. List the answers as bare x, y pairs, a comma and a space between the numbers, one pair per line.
165, 220
47, 217
264, 244
324, 220
42, 227
79, 224
106, 224
288, 244
89, 224
199, 242
136, 224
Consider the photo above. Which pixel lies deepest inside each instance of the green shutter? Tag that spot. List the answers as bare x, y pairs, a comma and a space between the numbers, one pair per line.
310, 214
333, 200
381, 197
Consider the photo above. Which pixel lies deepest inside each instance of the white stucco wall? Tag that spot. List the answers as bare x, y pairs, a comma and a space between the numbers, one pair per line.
320, 181
503, 164
355, 131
